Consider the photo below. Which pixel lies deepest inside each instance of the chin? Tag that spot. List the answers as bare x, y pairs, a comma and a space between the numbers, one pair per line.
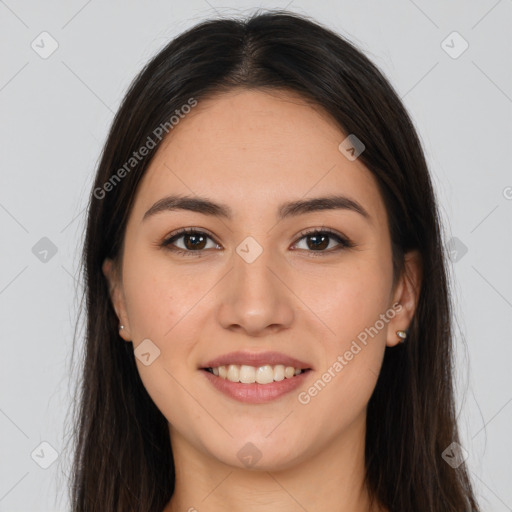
258, 453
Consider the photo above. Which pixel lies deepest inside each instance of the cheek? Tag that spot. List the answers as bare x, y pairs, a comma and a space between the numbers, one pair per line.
163, 306
158, 297
353, 304
160, 307
351, 358
347, 299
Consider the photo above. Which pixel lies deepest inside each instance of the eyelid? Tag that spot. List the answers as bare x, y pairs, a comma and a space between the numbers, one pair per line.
343, 241
185, 231
167, 241
325, 229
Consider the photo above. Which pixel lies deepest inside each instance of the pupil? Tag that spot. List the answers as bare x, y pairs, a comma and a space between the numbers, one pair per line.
322, 245
193, 245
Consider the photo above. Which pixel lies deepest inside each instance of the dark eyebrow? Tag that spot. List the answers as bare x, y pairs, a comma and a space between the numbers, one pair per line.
291, 209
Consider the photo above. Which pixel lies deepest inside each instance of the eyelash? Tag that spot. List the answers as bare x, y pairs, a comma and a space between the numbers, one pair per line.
344, 242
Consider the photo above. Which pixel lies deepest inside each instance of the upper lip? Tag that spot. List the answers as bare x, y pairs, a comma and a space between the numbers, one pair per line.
256, 359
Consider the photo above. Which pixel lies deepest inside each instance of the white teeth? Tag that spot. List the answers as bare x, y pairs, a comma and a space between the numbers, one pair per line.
250, 374
265, 374
247, 374
289, 372
279, 372
233, 373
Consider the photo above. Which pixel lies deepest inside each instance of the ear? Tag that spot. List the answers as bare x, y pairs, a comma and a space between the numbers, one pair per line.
406, 294
117, 296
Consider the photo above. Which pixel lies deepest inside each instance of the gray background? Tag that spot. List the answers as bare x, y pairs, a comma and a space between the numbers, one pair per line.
55, 115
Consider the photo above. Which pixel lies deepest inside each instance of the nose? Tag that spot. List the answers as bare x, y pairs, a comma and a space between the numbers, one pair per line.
255, 298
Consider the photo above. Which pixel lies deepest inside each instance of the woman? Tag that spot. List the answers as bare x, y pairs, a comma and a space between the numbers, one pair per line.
268, 315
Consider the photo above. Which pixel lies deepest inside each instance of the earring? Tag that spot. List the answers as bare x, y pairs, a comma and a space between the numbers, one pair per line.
402, 335
121, 327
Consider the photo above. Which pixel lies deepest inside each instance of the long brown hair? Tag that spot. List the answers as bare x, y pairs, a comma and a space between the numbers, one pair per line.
123, 459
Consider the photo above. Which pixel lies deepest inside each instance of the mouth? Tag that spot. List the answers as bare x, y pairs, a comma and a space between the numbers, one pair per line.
246, 374
255, 377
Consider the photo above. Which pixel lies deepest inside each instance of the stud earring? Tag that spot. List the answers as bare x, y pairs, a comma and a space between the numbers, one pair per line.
402, 335
121, 327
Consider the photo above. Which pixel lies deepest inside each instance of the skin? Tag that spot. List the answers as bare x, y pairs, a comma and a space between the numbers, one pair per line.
254, 150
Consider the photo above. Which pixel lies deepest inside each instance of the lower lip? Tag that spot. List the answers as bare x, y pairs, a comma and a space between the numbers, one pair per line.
256, 393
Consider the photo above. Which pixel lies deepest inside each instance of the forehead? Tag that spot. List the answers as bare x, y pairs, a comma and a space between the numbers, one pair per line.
252, 149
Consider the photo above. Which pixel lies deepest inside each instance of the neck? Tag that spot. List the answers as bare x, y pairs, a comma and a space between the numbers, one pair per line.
334, 474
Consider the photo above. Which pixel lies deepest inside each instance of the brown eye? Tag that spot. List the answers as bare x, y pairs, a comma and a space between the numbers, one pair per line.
192, 241
319, 241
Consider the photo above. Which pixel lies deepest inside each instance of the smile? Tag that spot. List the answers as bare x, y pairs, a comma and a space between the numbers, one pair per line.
264, 374
255, 377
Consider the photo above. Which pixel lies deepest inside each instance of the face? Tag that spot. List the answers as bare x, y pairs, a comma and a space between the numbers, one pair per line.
259, 285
